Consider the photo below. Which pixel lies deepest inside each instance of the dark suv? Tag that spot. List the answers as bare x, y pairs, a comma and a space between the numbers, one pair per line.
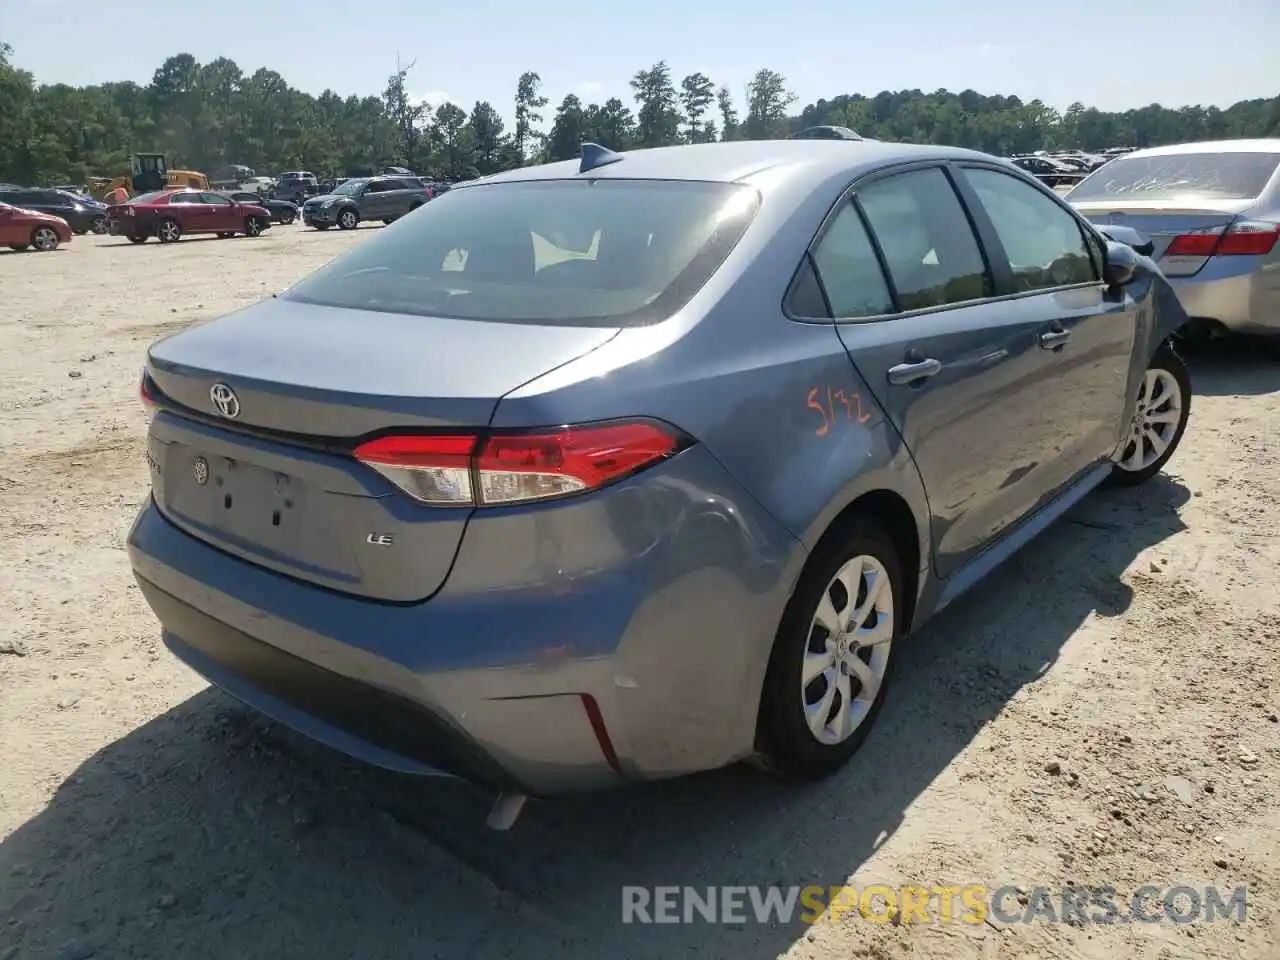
365, 198
296, 186
82, 215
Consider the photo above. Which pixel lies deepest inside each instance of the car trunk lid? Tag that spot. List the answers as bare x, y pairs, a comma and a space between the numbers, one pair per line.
1162, 222
259, 411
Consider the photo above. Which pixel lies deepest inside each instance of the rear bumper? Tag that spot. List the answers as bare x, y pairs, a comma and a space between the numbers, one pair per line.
1241, 294
648, 667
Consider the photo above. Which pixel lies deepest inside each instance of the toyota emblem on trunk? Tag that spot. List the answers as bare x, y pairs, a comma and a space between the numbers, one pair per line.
200, 470
225, 400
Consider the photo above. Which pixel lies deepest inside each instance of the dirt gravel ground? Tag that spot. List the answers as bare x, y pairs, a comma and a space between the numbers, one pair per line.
1101, 712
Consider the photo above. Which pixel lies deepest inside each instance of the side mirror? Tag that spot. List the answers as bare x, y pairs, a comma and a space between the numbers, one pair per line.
1122, 264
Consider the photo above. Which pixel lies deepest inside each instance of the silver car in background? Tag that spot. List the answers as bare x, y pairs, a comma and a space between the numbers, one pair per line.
1212, 213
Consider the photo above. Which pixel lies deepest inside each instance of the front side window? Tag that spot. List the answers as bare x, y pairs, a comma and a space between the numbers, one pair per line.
349, 189
929, 246
583, 252
185, 198
848, 269
215, 199
1044, 243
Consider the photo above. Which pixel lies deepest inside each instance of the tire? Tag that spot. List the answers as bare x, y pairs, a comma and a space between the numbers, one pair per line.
136, 239
79, 233
287, 218
169, 230
19, 246
225, 236
44, 239
348, 219
388, 221
252, 227
785, 743
1165, 390
98, 225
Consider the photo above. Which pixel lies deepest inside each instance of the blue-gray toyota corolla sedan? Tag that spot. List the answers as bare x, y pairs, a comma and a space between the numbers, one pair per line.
622, 468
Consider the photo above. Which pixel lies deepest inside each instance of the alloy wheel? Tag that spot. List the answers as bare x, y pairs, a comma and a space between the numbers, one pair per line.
847, 655
1155, 420
44, 239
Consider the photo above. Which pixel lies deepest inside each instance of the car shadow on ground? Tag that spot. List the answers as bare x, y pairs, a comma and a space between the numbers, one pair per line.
210, 832
1232, 367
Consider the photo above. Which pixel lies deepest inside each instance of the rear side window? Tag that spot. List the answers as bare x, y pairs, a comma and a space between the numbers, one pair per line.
1182, 176
848, 269
929, 247
582, 252
1044, 243
146, 197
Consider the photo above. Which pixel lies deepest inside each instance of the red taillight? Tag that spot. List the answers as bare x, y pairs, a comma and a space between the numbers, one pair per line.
1247, 238
144, 393
1251, 238
505, 468
1194, 244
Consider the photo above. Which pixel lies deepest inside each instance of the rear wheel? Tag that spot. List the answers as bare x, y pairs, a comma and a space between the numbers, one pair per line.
287, 218
19, 246
44, 239
831, 656
1159, 420
170, 230
348, 219
224, 235
98, 225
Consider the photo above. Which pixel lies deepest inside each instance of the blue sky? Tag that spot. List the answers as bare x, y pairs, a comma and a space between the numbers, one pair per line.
1108, 53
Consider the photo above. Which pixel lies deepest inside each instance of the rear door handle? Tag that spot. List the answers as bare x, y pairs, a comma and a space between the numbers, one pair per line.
905, 373
1055, 339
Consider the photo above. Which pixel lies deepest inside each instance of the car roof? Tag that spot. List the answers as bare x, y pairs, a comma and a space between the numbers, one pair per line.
738, 161
1269, 145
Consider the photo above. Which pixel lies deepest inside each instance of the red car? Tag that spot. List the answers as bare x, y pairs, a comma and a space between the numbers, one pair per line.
21, 228
171, 214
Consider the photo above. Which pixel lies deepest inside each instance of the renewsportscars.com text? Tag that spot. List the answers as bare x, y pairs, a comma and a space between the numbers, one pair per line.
961, 903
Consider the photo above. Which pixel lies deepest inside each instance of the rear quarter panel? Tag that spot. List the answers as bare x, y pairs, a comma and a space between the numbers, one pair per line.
779, 403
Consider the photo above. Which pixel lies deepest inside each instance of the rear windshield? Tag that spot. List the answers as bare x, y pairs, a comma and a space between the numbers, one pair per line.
1209, 176
592, 253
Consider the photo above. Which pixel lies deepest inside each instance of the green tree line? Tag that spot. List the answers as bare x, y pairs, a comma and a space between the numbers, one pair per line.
204, 116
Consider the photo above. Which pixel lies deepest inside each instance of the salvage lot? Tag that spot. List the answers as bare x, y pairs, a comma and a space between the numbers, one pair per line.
144, 815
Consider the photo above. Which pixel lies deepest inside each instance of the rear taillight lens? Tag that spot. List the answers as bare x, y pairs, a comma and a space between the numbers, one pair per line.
434, 469
1199, 244
504, 468
1247, 238
146, 393
1250, 238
